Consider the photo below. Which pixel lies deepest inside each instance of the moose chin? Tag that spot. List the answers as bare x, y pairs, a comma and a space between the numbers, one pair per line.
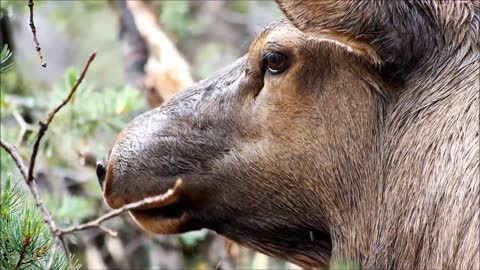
355, 122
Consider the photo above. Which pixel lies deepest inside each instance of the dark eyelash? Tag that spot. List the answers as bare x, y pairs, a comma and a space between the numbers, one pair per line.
266, 54
263, 61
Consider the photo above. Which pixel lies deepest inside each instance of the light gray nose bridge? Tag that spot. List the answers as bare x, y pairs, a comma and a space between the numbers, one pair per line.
218, 88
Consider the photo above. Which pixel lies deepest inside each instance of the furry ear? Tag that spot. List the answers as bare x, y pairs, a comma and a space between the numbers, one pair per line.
357, 47
397, 32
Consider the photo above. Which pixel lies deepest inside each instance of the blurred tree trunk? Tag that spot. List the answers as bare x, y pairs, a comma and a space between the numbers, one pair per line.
160, 71
134, 49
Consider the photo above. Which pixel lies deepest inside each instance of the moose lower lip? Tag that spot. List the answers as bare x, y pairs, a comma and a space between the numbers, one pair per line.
170, 211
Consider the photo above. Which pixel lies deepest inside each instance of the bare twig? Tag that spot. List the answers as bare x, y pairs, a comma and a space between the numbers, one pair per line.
24, 127
51, 115
12, 151
34, 32
97, 222
28, 176
109, 231
47, 216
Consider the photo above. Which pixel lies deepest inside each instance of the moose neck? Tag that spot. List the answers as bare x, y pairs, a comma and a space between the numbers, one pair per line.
428, 133
354, 227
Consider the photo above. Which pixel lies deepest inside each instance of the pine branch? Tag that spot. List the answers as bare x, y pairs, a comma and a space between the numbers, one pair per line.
32, 185
52, 258
28, 176
25, 244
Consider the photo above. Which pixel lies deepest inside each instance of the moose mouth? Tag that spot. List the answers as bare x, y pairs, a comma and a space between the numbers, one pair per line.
166, 220
165, 216
171, 211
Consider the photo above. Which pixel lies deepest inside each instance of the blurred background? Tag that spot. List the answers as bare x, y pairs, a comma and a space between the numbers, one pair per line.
146, 51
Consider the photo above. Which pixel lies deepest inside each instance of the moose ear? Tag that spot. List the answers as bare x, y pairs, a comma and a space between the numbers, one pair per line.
395, 31
309, 15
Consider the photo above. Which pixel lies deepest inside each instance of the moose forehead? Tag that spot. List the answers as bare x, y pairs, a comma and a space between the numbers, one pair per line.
282, 35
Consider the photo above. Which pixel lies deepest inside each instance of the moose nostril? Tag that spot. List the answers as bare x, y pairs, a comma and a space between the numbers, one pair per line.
101, 171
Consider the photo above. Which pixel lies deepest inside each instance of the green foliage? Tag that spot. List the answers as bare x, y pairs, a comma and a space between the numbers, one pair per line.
9, 6
91, 109
6, 62
93, 117
6, 163
72, 210
174, 16
239, 6
26, 242
343, 265
89, 121
10, 81
89, 115
191, 239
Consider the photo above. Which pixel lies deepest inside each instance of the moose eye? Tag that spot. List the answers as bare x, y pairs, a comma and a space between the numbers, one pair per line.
275, 63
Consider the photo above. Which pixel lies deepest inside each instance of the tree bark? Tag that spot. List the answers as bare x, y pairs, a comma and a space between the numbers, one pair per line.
134, 49
166, 70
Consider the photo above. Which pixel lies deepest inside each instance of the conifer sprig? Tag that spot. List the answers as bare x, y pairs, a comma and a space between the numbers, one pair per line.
25, 238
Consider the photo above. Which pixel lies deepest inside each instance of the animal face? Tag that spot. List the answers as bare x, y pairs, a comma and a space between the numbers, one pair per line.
261, 147
319, 142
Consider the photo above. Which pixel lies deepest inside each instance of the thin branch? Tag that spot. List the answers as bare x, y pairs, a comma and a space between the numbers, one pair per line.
25, 244
97, 222
109, 231
51, 115
34, 32
58, 233
47, 216
29, 178
12, 151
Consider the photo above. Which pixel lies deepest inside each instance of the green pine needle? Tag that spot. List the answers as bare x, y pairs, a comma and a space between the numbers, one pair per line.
6, 62
25, 240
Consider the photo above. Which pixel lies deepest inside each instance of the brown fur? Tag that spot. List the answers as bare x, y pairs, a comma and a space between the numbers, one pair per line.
366, 148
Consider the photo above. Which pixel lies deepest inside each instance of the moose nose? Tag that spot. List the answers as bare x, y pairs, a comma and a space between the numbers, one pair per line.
101, 172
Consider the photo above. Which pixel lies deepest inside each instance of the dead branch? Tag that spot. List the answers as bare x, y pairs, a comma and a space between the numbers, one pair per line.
34, 32
51, 115
97, 222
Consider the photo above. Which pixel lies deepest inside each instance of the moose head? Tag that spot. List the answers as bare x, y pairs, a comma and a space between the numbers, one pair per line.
284, 150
